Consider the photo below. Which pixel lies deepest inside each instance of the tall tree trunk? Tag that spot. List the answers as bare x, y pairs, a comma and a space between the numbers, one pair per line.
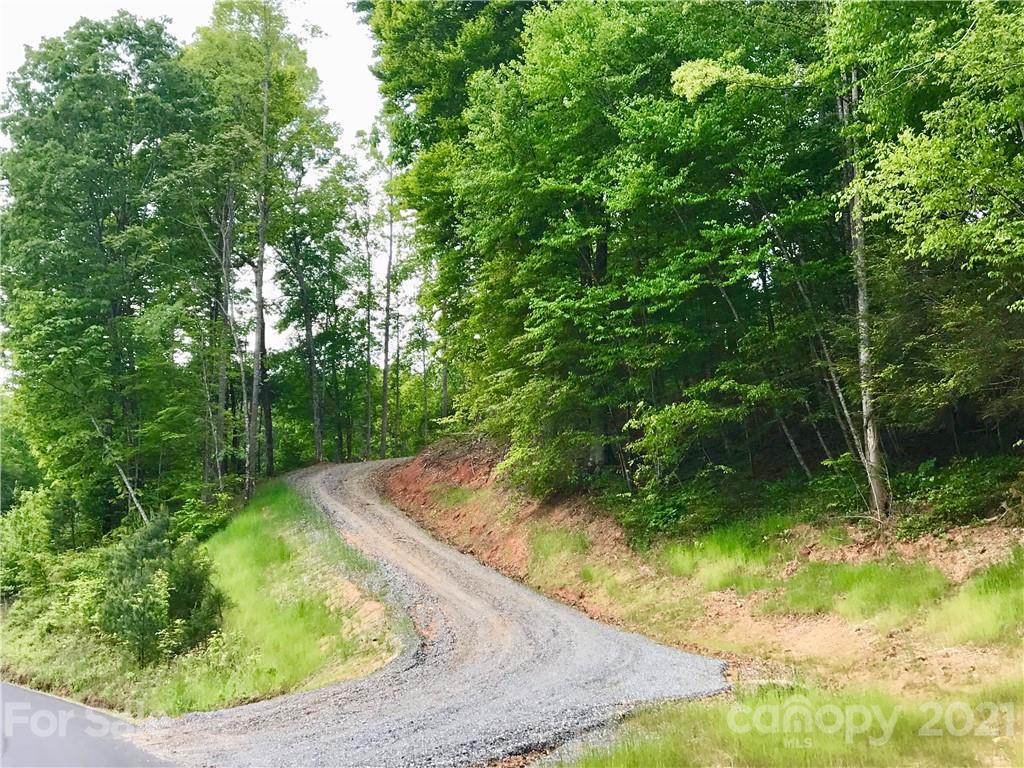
367, 445
832, 372
212, 453
225, 334
426, 405
396, 421
257, 365
444, 387
268, 420
874, 458
339, 424
227, 393
227, 318
314, 385
233, 428
387, 330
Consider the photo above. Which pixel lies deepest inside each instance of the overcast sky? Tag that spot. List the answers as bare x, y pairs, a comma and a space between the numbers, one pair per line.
342, 56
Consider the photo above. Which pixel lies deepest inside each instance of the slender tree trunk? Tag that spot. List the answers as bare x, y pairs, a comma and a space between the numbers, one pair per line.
252, 446
367, 445
387, 331
314, 384
444, 387
814, 425
874, 463
831, 367
120, 471
228, 313
227, 324
397, 414
793, 446
842, 415
268, 418
426, 405
216, 420
339, 424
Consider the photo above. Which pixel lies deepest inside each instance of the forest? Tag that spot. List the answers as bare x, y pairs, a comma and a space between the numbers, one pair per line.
689, 259
673, 244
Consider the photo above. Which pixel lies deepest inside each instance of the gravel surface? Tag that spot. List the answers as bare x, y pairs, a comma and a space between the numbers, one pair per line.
493, 670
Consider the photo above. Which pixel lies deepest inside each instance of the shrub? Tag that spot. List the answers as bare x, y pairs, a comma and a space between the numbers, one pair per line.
24, 543
1013, 504
694, 507
202, 519
934, 498
158, 597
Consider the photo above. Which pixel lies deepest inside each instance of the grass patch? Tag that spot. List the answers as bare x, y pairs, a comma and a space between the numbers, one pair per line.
547, 544
742, 556
888, 593
552, 552
450, 496
740, 732
280, 564
988, 608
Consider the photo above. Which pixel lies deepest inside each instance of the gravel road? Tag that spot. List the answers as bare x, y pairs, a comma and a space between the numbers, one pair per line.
494, 669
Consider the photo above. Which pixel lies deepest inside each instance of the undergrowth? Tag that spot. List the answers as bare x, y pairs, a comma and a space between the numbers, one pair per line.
277, 561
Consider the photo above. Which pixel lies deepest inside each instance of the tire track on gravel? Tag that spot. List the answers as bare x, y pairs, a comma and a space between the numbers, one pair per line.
494, 669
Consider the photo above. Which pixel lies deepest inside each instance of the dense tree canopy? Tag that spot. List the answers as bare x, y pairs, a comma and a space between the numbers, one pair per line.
149, 188
664, 239
648, 243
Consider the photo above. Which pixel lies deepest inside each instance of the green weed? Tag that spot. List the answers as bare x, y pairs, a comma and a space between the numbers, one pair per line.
551, 551
450, 496
887, 593
989, 607
742, 556
740, 732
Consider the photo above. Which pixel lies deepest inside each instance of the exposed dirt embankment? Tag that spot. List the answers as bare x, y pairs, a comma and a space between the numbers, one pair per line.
570, 550
493, 523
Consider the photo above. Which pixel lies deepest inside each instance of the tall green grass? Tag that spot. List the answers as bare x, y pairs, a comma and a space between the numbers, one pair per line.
726, 731
274, 561
743, 555
989, 607
887, 593
553, 551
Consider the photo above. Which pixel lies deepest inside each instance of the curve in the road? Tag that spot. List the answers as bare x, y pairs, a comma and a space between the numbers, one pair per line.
495, 670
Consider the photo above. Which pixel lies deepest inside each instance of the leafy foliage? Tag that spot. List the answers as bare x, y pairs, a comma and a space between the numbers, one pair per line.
158, 595
638, 224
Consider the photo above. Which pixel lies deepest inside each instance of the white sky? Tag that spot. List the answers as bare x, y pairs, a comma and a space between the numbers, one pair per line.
342, 57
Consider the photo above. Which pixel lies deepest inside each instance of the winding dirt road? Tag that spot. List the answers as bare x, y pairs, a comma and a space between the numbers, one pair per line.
494, 669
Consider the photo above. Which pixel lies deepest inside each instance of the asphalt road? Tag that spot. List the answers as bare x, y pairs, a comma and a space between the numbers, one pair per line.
493, 668
41, 730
